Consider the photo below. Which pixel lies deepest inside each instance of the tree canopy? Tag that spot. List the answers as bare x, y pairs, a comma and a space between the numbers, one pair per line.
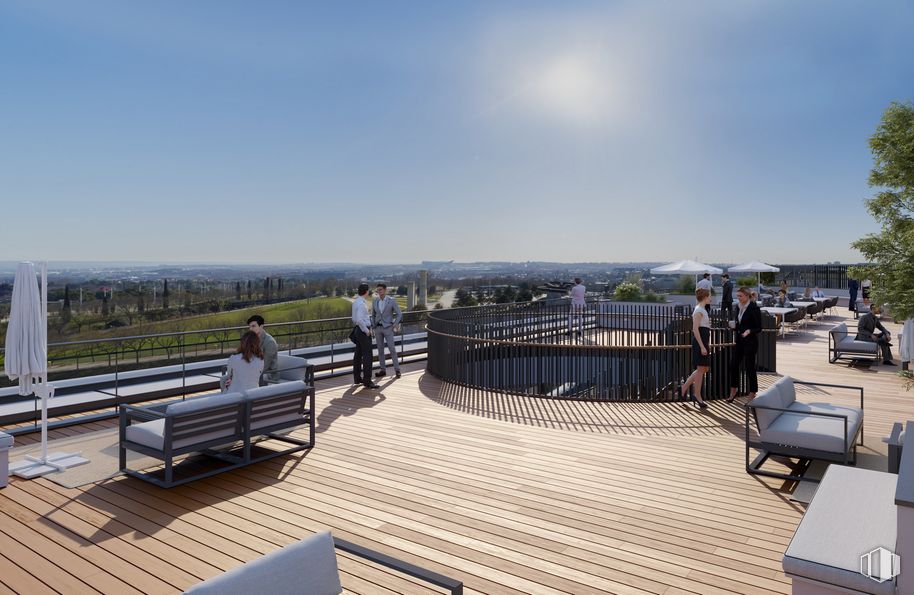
891, 250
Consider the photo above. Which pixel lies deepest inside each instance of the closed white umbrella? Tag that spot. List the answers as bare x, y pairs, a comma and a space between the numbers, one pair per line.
26, 342
27, 361
754, 267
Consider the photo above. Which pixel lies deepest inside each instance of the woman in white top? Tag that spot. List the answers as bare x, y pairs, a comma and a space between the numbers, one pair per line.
701, 346
245, 366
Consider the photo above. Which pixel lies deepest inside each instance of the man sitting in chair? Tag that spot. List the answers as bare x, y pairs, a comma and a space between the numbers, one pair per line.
866, 331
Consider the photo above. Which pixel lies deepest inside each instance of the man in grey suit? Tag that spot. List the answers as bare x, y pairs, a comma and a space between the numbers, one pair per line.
269, 346
385, 317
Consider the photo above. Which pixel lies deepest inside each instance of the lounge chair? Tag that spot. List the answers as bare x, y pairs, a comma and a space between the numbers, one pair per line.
843, 346
806, 431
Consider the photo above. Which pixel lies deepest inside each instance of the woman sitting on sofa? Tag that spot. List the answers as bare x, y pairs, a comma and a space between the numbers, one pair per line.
245, 366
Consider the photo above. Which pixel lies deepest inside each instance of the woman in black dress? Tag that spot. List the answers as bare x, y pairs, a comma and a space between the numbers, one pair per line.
747, 326
701, 346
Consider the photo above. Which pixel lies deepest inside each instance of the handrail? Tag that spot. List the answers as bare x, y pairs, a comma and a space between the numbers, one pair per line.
611, 350
570, 346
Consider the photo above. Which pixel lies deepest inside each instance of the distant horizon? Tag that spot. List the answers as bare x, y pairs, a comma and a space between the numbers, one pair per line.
154, 264
587, 131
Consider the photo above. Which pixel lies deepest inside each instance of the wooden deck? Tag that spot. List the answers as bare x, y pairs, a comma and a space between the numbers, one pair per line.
509, 494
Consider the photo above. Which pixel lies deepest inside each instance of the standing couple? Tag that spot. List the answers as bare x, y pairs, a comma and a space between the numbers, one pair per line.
385, 317
746, 324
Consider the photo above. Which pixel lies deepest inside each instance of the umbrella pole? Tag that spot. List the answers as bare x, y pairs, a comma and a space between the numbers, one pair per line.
44, 381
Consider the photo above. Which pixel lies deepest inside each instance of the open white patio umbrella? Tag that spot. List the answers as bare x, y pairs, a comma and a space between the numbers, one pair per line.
686, 267
26, 360
754, 267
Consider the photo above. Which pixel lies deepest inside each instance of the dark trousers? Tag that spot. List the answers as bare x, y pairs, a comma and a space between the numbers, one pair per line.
361, 358
745, 352
883, 343
727, 308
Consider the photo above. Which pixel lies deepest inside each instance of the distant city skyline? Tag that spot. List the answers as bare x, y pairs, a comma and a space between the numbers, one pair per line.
358, 132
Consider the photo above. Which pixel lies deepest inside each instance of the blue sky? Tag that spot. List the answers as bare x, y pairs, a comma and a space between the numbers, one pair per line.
401, 131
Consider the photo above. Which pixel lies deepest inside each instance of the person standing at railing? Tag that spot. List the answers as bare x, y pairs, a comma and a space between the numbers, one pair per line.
747, 326
385, 317
701, 346
726, 298
245, 366
578, 303
269, 347
361, 336
852, 286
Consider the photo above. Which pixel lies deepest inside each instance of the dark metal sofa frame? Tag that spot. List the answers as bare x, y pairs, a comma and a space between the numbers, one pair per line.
453, 585
768, 449
184, 426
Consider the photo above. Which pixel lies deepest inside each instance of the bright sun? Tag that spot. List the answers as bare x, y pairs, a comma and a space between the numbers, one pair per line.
572, 86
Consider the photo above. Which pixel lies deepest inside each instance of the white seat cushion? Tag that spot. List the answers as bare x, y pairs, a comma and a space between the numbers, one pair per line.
308, 566
150, 433
272, 390
201, 403
770, 397
815, 432
852, 513
786, 391
852, 345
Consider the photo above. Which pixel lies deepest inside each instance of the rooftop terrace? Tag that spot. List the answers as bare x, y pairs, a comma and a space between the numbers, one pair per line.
510, 494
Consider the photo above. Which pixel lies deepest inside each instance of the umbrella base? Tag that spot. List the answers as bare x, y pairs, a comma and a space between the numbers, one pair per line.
36, 467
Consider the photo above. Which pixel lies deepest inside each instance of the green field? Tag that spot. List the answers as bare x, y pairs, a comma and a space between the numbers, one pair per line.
312, 309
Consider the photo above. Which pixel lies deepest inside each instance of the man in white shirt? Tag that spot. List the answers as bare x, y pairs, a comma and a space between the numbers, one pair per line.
361, 336
385, 317
578, 302
818, 293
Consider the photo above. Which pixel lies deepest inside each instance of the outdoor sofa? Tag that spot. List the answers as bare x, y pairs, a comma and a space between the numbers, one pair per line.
307, 566
223, 426
855, 532
806, 431
843, 346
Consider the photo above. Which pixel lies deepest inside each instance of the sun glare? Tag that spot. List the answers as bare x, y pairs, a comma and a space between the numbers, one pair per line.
573, 87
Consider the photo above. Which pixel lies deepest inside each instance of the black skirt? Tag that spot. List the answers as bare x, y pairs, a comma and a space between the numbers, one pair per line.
697, 358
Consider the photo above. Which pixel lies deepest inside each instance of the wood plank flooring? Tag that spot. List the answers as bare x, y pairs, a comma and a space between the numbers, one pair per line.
509, 494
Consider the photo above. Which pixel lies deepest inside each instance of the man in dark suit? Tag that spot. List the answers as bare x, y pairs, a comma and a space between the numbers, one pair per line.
361, 336
866, 331
852, 286
726, 299
747, 325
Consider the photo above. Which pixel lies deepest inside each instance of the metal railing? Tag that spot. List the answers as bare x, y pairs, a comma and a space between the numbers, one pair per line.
604, 351
824, 276
108, 365
114, 355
